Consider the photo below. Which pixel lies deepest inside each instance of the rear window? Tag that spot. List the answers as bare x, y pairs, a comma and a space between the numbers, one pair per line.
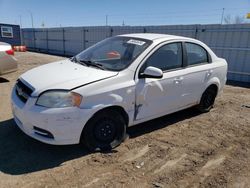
196, 54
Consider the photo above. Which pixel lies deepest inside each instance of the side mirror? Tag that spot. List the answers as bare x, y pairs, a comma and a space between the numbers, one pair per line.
151, 72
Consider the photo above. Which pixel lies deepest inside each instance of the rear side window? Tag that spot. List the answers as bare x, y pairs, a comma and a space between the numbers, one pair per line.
167, 57
196, 54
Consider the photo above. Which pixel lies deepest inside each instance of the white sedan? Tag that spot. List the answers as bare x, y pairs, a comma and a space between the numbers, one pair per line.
119, 82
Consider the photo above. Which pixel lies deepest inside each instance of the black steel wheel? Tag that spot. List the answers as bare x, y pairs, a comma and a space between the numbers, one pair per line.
207, 99
104, 131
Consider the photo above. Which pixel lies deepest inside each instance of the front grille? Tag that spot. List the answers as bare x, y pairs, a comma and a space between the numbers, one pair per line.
23, 92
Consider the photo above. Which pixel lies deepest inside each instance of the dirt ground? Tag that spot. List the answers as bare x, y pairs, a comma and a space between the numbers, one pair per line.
185, 149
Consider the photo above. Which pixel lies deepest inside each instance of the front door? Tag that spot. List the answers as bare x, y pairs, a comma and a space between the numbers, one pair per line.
156, 97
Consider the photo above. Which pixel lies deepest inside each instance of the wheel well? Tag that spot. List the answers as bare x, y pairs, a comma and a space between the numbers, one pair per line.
118, 109
214, 87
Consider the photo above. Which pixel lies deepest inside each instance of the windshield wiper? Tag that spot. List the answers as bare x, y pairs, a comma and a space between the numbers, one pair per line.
88, 63
92, 63
74, 59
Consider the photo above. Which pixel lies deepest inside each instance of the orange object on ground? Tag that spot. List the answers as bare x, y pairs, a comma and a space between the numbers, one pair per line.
20, 48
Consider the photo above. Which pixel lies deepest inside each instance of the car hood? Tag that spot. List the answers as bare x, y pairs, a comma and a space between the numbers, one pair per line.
62, 75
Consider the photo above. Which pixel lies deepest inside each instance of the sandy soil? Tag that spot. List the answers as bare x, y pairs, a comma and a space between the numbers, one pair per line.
185, 149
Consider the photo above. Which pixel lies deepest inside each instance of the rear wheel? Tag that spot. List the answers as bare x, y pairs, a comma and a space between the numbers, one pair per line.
104, 131
207, 99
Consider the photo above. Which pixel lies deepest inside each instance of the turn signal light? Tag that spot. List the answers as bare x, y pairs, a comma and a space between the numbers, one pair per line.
76, 99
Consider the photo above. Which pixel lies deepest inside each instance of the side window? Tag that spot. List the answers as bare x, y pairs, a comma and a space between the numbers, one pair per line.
167, 57
196, 54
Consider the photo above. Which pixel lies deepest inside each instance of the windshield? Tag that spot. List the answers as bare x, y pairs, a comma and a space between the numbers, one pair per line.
114, 53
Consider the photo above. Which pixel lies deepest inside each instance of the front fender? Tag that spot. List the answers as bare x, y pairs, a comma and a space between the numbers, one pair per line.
124, 99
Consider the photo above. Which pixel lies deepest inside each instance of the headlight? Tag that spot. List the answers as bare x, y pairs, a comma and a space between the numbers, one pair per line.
59, 99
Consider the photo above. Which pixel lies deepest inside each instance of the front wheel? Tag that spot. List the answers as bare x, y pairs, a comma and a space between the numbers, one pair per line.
104, 131
207, 99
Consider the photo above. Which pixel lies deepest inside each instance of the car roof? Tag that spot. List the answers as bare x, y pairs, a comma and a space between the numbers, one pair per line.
153, 36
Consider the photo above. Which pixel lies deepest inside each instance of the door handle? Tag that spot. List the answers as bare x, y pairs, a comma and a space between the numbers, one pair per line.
209, 73
178, 80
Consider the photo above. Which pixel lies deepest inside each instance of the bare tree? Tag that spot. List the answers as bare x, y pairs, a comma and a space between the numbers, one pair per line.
227, 19
239, 19
235, 20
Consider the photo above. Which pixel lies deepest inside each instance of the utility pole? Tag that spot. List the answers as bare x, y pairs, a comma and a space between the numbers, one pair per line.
32, 22
222, 16
21, 32
20, 18
34, 33
31, 16
106, 20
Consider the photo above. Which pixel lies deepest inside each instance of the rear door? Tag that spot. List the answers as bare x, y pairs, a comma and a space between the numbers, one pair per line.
198, 71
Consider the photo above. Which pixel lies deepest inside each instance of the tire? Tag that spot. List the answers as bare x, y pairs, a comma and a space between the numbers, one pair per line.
104, 131
207, 99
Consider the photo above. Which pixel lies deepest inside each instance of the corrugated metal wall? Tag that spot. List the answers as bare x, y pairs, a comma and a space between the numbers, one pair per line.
231, 42
16, 39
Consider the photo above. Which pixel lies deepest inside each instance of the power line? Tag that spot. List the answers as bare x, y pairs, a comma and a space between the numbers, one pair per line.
181, 12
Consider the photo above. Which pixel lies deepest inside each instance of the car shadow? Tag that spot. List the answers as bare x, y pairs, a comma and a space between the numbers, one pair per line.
161, 122
3, 80
20, 154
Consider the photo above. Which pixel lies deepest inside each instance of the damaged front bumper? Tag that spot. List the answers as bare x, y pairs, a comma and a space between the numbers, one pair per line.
56, 126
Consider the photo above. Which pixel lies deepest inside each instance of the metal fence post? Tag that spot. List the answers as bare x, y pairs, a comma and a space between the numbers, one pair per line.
21, 36
83, 38
47, 39
63, 33
196, 32
111, 31
34, 38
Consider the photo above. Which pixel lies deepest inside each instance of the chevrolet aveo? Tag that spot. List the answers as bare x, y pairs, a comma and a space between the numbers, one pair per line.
119, 82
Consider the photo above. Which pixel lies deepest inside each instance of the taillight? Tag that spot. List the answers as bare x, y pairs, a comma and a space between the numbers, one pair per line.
10, 52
